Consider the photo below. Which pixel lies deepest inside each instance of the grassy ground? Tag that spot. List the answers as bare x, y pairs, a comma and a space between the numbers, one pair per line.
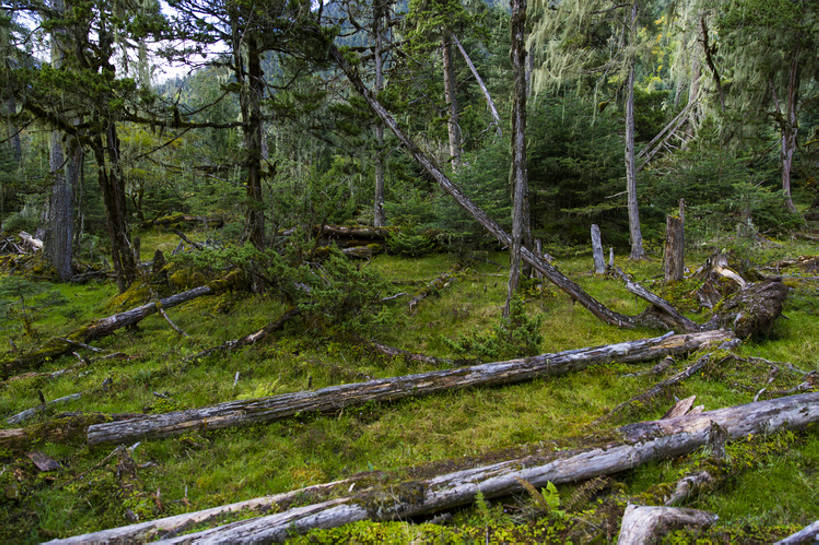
200, 470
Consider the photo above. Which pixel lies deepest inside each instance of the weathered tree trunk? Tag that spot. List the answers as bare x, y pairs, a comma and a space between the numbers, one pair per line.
629, 447
806, 536
551, 273
333, 398
453, 125
100, 328
790, 128
58, 430
251, 96
379, 217
667, 314
635, 233
644, 525
597, 250
519, 174
752, 310
489, 102
674, 255
109, 175
435, 286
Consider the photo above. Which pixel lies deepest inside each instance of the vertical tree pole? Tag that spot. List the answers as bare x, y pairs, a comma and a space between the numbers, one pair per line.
636, 236
453, 127
519, 174
378, 208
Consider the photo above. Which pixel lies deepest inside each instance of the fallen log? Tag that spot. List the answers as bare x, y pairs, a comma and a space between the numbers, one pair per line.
33, 243
687, 485
658, 388
58, 430
752, 310
434, 287
807, 536
410, 357
58, 346
577, 293
667, 315
644, 525
628, 447
29, 413
333, 398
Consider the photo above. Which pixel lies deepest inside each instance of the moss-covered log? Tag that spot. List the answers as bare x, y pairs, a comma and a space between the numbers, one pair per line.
628, 447
333, 398
57, 346
752, 310
58, 430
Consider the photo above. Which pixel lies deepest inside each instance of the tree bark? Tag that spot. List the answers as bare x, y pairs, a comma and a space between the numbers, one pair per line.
629, 447
379, 217
636, 236
674, 255
551, 273
789, 130
56, 346
597, 250
519, 174
250, 101
453, 126
489, 102
333, 398
644, 525
807, 536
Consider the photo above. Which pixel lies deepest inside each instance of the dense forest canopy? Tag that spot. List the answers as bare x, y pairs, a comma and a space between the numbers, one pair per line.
265, 131
264, 246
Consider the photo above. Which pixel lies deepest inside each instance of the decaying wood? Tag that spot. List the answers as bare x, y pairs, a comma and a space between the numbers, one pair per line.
249, 339
719, 280
339, 232
680, 408
752, 310
687, 486
30, 242
674, 255
597, 250
333, 398
58, 430
665, 313
644, 525
30, 413
658, 388
444, 280
807, 536
410, 357
629, 447
604, 313
58, 346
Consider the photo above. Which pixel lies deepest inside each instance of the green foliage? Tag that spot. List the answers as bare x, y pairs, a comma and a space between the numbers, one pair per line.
517, 335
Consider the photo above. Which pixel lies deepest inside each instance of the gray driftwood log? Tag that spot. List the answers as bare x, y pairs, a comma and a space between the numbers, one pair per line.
333, 398
644, 525
628, 447
807, 536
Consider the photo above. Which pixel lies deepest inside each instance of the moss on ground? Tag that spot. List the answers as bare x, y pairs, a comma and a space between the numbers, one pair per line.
198, 470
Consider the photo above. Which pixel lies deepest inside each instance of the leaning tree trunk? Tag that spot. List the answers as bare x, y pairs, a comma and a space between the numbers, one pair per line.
489, 102
379, 217
519, 175
625, 448
334, 398
551, 273
453, 125
636, 235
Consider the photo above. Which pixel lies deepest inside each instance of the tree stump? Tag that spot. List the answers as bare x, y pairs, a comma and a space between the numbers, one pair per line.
674, 260
597, 250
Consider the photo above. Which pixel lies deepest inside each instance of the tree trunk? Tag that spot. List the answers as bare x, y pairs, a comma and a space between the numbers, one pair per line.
674, 255
790, 129
597, 250
636, 236
379, 218
489, 102
629, 447
334, 398
551, 273
519, 174
453, 126
644, 525
251, 96
57, 346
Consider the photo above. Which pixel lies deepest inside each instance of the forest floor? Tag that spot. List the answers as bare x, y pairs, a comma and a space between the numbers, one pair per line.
770, 492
